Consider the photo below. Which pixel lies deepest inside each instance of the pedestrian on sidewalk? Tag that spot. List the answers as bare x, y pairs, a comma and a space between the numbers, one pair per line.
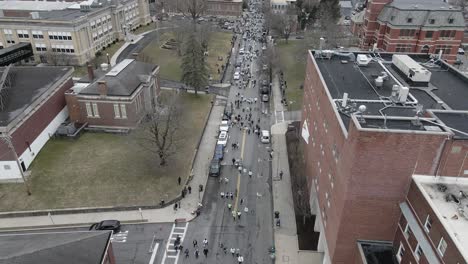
241, 200
229, 206
183, 193
237, 252
239, 214
205, 252
281, 175
181, 248
233, 161
226, 180
240, 259
195, 243
205, 242
234, 215
179, 180
175, 207
232, 195
186, 253
189, 189
176, 247
233, 251
197, 253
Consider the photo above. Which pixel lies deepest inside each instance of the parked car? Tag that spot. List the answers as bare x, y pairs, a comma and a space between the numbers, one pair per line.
236, 76
223, 138
219, 152
265, 137
113, 225
461, 51
224, 126
215, 168
241, 51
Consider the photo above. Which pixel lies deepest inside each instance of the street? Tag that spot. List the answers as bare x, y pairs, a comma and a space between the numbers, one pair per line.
250, 234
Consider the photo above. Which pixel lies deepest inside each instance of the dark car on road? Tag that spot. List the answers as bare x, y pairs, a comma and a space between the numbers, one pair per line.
113, 225
219, 152
215, 168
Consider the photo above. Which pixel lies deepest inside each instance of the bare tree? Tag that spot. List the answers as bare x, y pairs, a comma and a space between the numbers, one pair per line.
180, 34
58, 59
192, 8
158, 130
204, 33
284, 23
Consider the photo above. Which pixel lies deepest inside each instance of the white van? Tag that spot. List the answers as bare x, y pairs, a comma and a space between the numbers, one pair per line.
265, 137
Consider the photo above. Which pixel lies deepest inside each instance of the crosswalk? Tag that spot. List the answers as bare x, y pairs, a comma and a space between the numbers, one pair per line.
171, 256
120, 237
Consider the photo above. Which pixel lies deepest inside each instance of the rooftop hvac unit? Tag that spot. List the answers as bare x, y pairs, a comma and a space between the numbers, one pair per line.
403, 94
379, 82
363, 59
35, 15
412, 70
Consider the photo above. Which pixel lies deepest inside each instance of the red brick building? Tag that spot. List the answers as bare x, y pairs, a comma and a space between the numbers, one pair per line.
433, 227
429, 26
367, 129
33, 108
118, 100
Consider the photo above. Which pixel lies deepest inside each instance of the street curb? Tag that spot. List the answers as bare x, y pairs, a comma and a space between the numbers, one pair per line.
84, 210
64, 226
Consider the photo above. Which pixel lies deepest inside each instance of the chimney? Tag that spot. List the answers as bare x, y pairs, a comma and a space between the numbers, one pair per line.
90, 72
102, 88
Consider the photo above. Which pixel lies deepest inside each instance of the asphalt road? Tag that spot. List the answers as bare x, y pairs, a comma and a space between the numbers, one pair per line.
252, 233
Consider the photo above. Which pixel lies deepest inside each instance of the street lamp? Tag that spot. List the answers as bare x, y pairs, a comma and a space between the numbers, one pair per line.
7, 139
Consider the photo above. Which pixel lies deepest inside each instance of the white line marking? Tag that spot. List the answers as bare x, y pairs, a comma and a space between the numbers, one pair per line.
282, 113
169, 243
153, 255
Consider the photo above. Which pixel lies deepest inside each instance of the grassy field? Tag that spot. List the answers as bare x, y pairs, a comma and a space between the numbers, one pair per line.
82, 70
170, 62
292, 56
101, 169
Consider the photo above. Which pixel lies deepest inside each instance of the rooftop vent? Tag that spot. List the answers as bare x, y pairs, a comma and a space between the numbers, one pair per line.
363, 59
35, 15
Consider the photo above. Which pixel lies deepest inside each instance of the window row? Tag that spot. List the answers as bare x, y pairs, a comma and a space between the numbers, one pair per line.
60, 35
41, 47
63, 48
120, 111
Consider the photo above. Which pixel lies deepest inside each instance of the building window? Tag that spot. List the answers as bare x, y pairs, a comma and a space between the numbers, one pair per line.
407, 32
404, 48
116, 111
40, 47
407, 231
123, 111
444, 48
418, 252
442, 247
37, 34
89, 111
451, 20
22, 34
95, 110
409, 20
400, 253
447, 33
429, 34
431, 21
428, 224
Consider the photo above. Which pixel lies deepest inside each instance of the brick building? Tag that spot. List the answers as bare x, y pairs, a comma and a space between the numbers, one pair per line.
33, 108
117, 100
429, 26
367, 128
433, 227
211, 7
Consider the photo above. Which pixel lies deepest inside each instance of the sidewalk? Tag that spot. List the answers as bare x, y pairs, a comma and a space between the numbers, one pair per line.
162, 215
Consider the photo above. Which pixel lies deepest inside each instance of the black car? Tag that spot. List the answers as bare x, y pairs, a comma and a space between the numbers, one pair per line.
215, 168
113, 225
219, 152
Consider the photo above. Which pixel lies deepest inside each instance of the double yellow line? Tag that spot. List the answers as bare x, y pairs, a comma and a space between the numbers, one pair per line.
240, 173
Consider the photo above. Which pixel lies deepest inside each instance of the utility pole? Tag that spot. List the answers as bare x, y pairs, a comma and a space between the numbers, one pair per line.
7, 140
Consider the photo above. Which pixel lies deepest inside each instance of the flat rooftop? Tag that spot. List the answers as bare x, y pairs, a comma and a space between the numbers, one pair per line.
448, 198
447, 90
34, 5
24, 86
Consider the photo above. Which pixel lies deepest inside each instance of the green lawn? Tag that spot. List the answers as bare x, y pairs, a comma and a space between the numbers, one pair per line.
100, 169
81, 71
170, 62
292, 57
